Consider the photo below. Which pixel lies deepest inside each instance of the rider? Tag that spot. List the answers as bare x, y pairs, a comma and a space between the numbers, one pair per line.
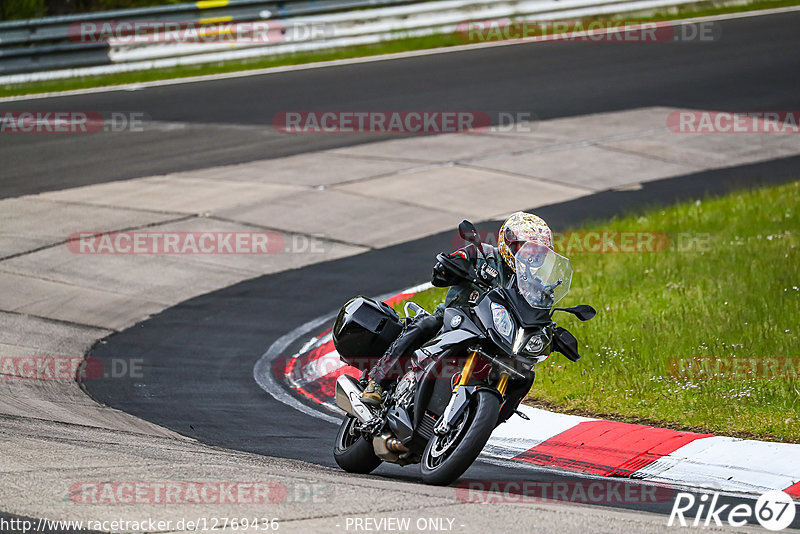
494, 267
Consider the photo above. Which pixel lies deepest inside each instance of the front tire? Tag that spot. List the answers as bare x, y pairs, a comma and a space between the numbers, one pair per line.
354, 453
447, 457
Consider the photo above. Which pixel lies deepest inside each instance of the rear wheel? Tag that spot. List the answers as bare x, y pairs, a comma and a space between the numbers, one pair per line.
352, 451
447, 456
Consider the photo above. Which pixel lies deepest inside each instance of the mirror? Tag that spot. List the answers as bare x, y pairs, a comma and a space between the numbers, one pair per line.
468, 232
584, 312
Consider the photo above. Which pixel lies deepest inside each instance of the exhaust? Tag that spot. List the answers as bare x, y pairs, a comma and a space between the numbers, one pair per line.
348, 398
395, 445
389, 449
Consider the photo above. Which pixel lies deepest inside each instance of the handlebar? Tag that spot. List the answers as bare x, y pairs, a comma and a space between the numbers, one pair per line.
470, 276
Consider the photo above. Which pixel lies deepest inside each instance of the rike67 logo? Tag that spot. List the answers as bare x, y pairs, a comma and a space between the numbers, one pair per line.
774, 510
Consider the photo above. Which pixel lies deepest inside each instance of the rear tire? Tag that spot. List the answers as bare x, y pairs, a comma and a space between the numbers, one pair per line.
354, 454
481, 418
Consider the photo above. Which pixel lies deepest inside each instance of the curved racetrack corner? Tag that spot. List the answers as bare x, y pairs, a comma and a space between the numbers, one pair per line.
198, 356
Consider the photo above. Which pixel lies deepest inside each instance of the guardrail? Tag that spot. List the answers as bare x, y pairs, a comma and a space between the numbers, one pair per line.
48, 43
58, 47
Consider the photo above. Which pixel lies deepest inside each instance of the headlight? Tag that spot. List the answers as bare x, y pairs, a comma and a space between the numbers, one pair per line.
502, 321
535, 345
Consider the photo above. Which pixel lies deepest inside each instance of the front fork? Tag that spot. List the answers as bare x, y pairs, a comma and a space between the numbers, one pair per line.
466, 372
460, 397
503, 384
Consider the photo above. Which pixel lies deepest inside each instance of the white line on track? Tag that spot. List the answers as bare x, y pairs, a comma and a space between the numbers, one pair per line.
262, 371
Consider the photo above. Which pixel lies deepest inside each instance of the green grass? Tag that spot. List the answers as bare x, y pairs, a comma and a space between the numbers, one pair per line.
734, 294
401, 44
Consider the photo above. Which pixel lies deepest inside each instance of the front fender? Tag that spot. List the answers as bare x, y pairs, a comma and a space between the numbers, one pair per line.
428, 357
458, 403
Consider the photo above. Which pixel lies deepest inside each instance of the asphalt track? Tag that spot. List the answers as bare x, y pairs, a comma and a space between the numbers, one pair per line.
198, 357
754, 65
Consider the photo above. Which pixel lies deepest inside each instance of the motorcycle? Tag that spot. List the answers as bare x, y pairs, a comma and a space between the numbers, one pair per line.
456, 388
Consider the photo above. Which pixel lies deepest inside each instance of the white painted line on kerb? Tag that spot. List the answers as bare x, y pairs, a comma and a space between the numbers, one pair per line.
262, 371
358, 60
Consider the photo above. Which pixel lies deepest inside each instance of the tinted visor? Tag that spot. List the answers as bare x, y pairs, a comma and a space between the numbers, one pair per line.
513, 242
514, 246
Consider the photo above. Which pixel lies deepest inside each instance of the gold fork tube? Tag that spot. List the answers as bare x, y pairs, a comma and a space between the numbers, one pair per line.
503, 384
466, 372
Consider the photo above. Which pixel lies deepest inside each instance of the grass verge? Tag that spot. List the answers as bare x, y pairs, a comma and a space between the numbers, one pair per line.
724, 291
401, 44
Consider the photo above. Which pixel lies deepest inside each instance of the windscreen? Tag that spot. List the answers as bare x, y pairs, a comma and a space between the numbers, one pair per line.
543, 277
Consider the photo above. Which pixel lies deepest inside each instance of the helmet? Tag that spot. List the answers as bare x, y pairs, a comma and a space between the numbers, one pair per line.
520, 228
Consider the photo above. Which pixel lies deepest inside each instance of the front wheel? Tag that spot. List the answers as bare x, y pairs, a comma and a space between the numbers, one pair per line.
352, 451
447, 457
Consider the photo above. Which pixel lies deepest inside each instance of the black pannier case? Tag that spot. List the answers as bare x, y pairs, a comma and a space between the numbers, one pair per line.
363, 331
